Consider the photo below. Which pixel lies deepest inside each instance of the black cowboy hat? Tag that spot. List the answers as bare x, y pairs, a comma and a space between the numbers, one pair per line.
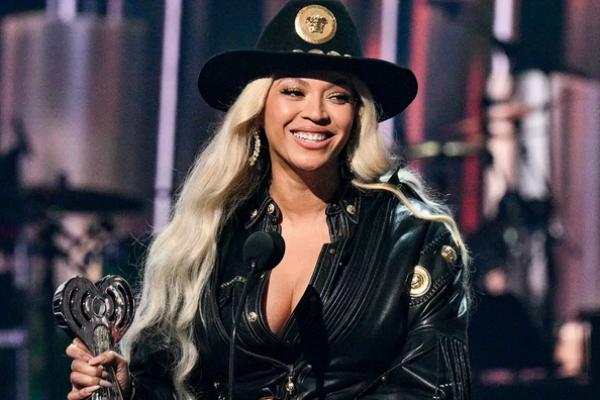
307, 35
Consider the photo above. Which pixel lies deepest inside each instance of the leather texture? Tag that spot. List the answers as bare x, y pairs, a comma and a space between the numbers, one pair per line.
357, 332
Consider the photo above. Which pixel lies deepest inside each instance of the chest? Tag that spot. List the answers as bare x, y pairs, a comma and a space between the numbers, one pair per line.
289, 280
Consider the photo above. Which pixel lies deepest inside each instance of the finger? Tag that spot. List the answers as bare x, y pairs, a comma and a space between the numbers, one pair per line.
81, 380
80, 345
75, 352
74, 389
74, 395
106, 358
82, 393
87, 369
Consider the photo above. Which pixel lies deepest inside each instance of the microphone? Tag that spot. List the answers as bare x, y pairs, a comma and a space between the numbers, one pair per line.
262, 251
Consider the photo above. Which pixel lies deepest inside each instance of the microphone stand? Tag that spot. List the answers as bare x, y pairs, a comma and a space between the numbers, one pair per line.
236, 322
262, 251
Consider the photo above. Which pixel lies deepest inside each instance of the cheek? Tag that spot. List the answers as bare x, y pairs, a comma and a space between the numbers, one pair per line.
346, 123
277, 116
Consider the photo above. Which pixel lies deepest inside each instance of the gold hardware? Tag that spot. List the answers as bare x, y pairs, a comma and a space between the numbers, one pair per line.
252, 316
289, 386
315, 24
449, 254
319, 51
420, 283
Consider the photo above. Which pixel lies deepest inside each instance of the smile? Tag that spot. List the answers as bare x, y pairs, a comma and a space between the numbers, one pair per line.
311, 136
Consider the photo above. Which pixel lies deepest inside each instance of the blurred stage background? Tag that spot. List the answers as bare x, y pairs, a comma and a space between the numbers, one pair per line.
100, 120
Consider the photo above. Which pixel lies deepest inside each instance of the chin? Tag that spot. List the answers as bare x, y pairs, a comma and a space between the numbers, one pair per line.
308, 168
312, 165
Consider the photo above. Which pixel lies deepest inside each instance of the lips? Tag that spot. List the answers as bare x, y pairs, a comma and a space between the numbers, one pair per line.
311, 135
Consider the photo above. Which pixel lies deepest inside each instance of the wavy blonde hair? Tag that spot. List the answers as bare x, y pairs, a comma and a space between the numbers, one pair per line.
182, 257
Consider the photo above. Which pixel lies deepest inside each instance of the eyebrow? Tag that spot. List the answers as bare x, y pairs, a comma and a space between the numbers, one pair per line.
338, 82
295, 80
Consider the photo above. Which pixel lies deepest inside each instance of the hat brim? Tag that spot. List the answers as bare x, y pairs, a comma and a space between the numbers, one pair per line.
224, 76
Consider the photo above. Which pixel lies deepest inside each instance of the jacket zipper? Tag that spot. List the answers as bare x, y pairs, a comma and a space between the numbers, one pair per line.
290, 387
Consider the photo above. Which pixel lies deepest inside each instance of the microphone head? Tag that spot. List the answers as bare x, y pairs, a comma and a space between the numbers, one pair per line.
265, 249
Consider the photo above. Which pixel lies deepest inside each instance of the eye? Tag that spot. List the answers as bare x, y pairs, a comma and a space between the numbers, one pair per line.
341, 97
292, 92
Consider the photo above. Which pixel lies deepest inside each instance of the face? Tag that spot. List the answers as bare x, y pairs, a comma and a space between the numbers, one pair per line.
308, 121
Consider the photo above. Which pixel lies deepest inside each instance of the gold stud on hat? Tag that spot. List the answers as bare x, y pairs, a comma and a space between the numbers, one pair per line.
420, 283
315, 24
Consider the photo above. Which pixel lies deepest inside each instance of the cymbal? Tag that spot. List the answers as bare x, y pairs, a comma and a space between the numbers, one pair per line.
66, 199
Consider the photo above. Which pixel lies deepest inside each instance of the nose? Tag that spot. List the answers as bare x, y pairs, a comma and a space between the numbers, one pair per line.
315, 110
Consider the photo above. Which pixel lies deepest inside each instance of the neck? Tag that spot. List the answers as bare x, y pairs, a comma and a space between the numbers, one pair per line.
303, 193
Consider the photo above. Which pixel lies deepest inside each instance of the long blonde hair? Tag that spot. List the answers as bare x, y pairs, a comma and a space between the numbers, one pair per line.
182, 257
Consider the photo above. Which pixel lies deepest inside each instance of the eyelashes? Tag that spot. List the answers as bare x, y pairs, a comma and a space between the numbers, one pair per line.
292, 91
337, 97
342, 97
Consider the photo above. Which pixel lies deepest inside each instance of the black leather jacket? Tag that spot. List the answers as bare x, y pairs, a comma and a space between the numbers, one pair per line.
366, 327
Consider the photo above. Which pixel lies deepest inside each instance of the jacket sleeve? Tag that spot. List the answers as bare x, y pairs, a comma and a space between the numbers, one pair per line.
433, 362
150, 369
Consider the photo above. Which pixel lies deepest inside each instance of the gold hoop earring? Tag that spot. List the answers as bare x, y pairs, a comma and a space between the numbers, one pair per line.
255, 148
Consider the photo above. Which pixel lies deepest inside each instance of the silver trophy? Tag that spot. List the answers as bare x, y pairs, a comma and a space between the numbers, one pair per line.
98, 314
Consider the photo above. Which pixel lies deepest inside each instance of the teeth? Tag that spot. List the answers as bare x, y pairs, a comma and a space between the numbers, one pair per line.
309, 136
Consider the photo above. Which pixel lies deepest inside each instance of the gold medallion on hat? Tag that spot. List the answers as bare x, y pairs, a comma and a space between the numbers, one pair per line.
315, 24
420, 283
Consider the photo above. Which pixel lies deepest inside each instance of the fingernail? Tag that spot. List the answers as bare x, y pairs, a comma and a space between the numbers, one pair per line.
105, 383
92, 389
105, 374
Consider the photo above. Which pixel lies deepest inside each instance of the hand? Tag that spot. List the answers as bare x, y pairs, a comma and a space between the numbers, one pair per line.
89, 373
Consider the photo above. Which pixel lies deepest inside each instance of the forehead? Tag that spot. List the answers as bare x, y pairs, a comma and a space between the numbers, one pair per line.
308, 77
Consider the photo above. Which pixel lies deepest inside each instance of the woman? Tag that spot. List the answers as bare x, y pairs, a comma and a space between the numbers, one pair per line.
369, 300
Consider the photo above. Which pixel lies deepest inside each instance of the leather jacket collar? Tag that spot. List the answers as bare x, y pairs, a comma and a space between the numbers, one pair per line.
345, 203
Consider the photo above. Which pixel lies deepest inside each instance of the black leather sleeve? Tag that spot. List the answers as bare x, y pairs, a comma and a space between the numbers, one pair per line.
150, 366
433, 362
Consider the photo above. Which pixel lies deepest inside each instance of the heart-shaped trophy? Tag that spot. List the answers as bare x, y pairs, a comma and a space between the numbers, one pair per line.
98, 314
